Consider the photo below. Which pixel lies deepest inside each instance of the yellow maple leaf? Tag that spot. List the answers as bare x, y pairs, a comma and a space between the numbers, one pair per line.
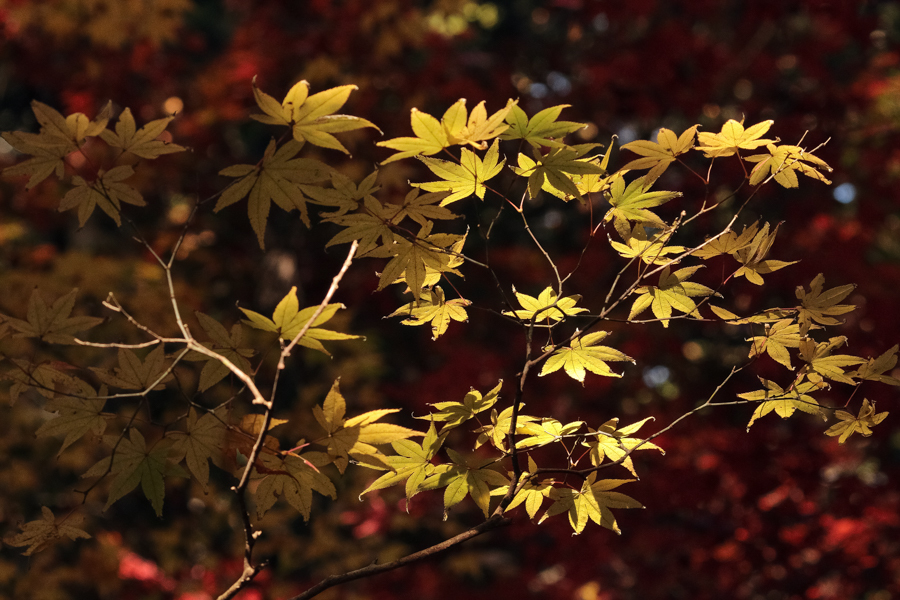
733, 138
861, 423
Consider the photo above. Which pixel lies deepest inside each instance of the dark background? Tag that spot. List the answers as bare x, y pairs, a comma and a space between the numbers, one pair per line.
780, 512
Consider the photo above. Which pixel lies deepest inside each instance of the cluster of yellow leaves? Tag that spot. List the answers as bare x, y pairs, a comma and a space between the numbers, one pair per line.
790, 328
60, 136
454, 128
749, 248
591, 502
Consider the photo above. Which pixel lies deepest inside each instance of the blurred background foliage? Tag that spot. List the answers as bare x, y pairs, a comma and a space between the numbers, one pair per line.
780, 513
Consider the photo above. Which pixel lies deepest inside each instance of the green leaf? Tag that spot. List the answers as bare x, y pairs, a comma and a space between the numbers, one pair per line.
593, 502
132, 464
77, 417
659, 155
466, 178
542, 129
288, 320
614, 444
136, 374
546, 431
293, 478
557, 168
411, 464
454, 414
465, 477
141, 142
107, 191
631, 203
52, 323
203, 441
356, 437
277, 179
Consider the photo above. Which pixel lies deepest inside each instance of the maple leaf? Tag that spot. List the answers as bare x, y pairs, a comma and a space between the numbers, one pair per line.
542, 129
276, 179
288, 320
40, 533
652, 251
497, 431
784, 162
294, 478
585, 355
593, 502
850, 424
779, 337
42, 378
366, 227
411, 464
479, 128
431, 135
659, 155
132, 463
107, 191
344, 194
466, 178
874, 369
614, 444
753, 257
728, 243
767, 316
674, 291
557, 168
465, 477
631, 203
454, 414
203, 440
733, 138
546, 431
547, 306
420, 208
223, 343
820, 307
410, 259
356, 437
822, 364
435, 310
141, 142
135, 374
59, 136
52, 323
783, 402
531, 494
311, 118
76, 417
